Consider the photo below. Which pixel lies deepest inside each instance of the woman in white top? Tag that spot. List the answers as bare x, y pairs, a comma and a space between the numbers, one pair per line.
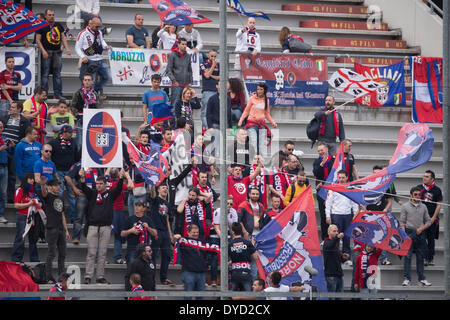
167, 37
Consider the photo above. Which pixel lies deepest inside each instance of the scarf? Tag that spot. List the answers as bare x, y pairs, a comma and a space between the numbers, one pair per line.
89, 97
207, 189
91, 176
326, 169
194, 243
336, 125
346, 166
196, 216
64, 142
260, 183
143, 234
428, 187
195, 171
39, 122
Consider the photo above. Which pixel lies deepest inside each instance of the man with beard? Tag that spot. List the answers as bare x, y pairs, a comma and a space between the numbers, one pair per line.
331, 124
192, 211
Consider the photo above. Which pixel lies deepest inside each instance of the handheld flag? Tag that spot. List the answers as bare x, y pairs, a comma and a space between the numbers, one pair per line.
239, 9
154, 167
338, 165
177, 12
193, 243
393, 92
381, 230
353, 83
290, 242
17, 22
427, 89
414, 148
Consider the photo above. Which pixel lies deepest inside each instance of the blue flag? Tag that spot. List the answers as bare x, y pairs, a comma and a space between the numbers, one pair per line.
237, 6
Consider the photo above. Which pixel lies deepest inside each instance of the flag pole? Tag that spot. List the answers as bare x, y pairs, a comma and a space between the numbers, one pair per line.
446, 151
223, 135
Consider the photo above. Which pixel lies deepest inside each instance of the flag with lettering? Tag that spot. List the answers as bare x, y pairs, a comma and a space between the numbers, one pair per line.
17, 22
290, 242
177, 12
392, 93
381, 230
198, 244
427, 79
414, 148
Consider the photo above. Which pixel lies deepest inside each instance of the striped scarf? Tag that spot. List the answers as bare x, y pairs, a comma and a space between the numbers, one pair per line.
195, 214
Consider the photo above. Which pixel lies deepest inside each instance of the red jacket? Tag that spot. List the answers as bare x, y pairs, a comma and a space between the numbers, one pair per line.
363, 270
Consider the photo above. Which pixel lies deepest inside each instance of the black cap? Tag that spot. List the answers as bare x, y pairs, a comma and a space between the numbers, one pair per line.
141, 203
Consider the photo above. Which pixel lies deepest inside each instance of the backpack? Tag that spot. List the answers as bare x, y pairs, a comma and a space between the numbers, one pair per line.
296, 45
39, 274
312, 130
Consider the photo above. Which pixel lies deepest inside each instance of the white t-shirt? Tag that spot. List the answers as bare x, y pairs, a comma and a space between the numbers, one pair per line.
281, 288
232, 217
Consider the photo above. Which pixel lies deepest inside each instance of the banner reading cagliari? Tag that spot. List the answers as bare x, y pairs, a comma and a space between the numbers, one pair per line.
293, 80
135, 67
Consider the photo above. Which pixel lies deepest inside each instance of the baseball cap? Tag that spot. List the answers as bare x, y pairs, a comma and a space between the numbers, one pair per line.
66, 128
141, 203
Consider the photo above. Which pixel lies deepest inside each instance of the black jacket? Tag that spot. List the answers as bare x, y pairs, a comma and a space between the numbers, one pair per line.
193, 259
101, 214
24, 123
329, 134
332, 258
213, 112
64, 155
145, 269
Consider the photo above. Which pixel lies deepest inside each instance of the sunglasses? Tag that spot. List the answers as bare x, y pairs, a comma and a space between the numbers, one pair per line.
48, 151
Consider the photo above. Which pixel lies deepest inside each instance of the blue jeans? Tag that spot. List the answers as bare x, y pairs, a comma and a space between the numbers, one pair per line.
257, 137
79, 137
47, 65
95, 68
118, 223
3, 187
334, 284
81, 204
162, 245
236, 115
11, 190
342, 221
4, 109
419, 245
241, 281
193, 281
205, 98
132, 199
70, 195
175, 95
18, 249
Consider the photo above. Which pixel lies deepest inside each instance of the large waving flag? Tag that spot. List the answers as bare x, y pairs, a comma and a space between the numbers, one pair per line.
353, 83
427, 89
381, 230
290, 242
177, 12
393, 92
237, 6
338, 165
14, 279
17, 22
414, 148
153, 167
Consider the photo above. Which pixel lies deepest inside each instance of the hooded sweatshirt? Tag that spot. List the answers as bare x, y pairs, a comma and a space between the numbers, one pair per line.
25, 156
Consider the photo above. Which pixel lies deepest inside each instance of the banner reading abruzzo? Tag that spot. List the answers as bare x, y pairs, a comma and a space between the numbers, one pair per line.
293, 80
102, 139
135, 67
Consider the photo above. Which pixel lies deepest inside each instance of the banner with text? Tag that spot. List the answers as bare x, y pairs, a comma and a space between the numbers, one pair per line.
24, 64
135, 67
293, 80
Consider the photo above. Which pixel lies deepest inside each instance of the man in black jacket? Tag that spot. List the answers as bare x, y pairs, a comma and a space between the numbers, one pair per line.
193, 262
332, 260
98, 225
64, 154
144, 266
14, 130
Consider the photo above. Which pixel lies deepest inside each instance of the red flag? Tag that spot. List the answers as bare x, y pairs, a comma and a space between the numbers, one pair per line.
177, 12
14, 279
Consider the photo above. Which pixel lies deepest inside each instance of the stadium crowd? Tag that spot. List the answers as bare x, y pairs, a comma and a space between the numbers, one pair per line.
40, 150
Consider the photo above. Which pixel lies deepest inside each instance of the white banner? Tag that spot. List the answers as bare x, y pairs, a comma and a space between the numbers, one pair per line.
134, 67
102, 139
25, 64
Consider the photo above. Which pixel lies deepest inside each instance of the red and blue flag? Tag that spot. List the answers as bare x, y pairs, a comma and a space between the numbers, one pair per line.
153, 167
414, 148
290, 242
177, 12
381, 230
17, 22
427, 89
338, 165
239, 8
